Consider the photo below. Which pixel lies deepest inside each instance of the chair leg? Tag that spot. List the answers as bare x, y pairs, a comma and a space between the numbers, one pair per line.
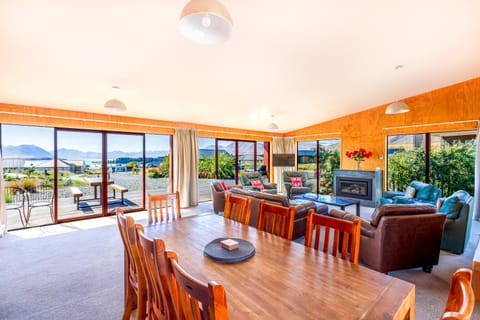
130, 302
22, 218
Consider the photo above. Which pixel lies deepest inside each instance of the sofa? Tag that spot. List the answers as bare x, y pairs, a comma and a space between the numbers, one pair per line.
458, 209
399, 236
290, 189
218, 195
246, 179
301, 208
417, 193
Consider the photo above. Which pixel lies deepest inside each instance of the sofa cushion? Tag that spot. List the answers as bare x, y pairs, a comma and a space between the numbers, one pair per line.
403, 200
396, 210
225, 187
296, 182
428, 193
257, 183
410, 192
451, 207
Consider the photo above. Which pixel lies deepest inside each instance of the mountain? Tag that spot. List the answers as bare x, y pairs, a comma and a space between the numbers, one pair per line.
73, 154
25, 151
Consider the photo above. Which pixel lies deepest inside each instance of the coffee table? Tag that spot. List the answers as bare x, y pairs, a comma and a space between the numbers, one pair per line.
332, 200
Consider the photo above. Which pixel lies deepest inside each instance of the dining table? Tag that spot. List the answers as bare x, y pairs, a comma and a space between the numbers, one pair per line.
284, 279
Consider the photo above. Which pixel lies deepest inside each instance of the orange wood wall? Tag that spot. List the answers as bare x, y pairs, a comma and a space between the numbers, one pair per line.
452, 108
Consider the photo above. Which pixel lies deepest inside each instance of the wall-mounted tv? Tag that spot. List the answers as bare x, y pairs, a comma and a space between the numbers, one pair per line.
283, 160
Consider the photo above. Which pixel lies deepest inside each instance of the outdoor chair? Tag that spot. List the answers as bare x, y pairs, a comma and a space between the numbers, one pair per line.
346, 235
15, 200
40, 196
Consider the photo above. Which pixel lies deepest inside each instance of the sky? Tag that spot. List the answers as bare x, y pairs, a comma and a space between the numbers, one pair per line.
15, 135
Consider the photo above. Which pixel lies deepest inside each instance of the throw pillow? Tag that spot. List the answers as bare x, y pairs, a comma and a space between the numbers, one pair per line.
225, 187
451, 207
426, 193
257, 184
296, 181
410, 192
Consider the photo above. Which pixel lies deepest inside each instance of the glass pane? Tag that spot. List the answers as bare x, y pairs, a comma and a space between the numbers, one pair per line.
406, 160
28, 167
246, 157
226, 161
206, 167
307, 161
328, 161
125, 171
157, 153
452, 161
260, 154
79, 173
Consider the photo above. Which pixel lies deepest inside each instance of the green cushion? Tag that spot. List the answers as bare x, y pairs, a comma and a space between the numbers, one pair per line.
427, 192
403, 200
451, 207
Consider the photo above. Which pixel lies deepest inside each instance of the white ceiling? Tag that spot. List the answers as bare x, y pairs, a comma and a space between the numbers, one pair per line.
304, 61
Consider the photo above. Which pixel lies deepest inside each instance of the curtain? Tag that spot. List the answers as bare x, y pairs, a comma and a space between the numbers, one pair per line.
3, 210
185, 166
476, 195
282, 145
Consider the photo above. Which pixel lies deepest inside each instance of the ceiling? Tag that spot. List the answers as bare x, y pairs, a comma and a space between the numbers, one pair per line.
305, 62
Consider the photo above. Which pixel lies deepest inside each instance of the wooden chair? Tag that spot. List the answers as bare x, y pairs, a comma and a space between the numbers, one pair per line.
194, 299
163, 204
134, 282
238, 208
461, 299
277, 220
154, 264
346, 235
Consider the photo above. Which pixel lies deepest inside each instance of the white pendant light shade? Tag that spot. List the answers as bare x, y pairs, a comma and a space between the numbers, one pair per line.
272, 125
115, 104
205, 22
397, 107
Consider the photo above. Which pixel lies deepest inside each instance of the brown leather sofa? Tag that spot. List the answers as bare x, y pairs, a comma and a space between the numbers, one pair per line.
400, 236
301, 208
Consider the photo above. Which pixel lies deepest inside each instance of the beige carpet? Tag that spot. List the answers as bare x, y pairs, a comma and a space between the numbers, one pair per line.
75, 271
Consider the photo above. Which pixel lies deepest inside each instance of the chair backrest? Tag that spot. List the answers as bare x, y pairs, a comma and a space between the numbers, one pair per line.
275, 219
165, 205
14, 196
154, 264
192, 298
246, 177
238, 208
288, 175
41, 193
135, 282
461, 299
346, 235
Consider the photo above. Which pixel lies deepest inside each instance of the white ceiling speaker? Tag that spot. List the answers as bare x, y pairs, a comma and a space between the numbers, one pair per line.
115, 104
397, 107
205, 22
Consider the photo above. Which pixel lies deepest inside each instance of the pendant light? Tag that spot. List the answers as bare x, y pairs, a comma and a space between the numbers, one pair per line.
397, 107
272, 125
115, 104
205, 22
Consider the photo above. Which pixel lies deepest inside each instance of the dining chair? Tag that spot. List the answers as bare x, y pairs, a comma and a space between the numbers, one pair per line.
238, 208
192, 298
134, 278
154, 264
277, 220
346, 235
461, 298
40, 196
15, 200
164, 204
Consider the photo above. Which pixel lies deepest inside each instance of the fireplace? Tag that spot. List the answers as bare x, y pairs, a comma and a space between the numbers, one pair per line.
365, 186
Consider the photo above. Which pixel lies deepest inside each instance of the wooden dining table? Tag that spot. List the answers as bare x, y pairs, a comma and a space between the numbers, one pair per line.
284, 279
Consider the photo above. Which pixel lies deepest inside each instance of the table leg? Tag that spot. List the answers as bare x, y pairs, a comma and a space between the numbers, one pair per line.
358, 209
342, 208
95, 192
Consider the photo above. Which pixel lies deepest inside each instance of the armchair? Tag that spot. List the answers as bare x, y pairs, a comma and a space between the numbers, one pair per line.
417, 192
246, 179
458, 209
290, 189
218, 195
400, 237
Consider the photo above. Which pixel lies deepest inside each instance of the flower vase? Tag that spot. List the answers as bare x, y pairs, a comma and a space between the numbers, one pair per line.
359, 165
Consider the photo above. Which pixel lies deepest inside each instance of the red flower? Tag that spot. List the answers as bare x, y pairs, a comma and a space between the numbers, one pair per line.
359, 155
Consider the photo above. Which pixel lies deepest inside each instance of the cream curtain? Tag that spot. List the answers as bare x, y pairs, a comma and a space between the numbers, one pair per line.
185, 166
3, 210
476, 196
282, 145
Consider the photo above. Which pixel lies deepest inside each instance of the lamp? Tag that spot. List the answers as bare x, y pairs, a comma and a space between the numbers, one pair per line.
115, 104
397, 107
272, 125
205, 22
